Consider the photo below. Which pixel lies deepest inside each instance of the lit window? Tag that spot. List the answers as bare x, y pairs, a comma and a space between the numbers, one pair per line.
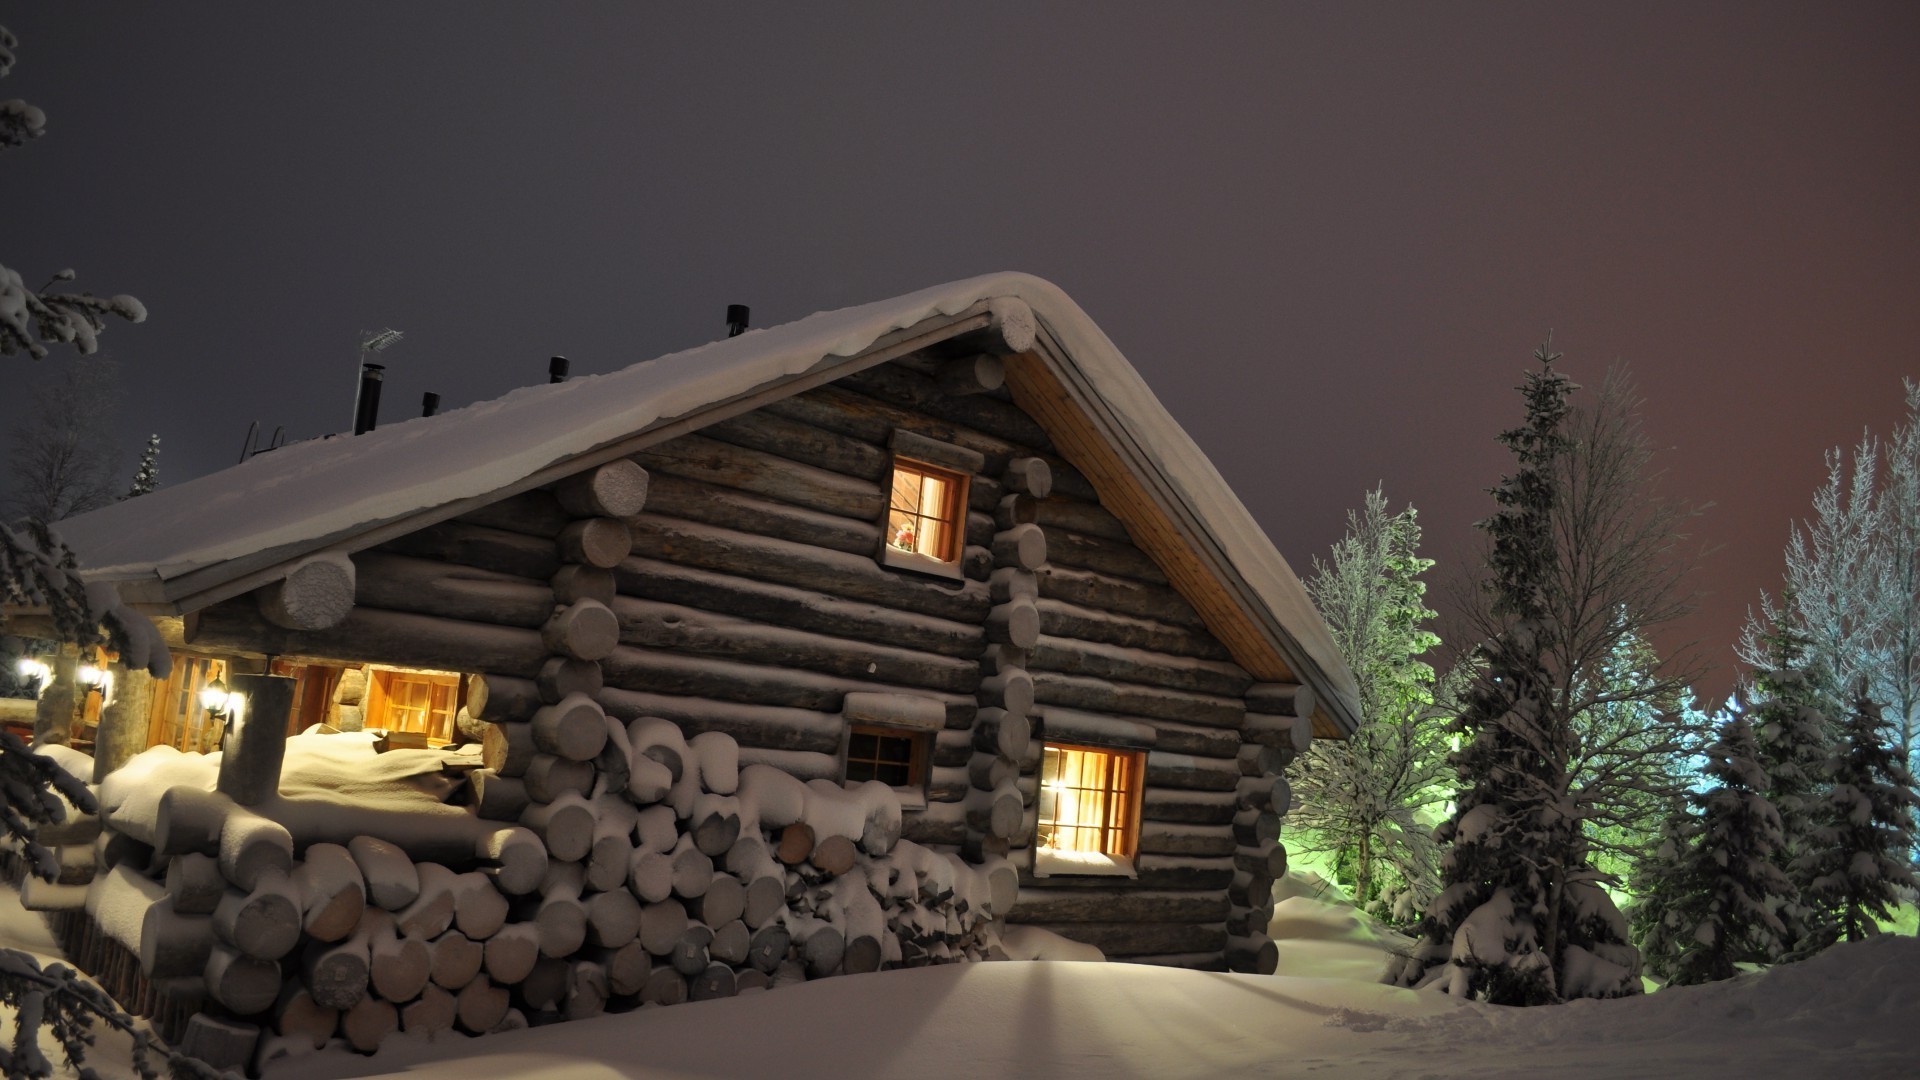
926, 517
418, 701
893, 757
1089, 812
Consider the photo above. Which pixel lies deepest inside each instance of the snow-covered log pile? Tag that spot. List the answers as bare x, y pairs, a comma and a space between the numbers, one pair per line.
359, 902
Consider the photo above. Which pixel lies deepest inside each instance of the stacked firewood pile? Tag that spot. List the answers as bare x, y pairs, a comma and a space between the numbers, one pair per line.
275, 929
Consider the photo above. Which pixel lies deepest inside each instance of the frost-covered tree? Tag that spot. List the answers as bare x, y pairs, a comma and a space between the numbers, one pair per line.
61, 456
146, 477
1710, 894
1857, 865
31, 319
1852, 581
1521, 918
1792, 732
1369, 801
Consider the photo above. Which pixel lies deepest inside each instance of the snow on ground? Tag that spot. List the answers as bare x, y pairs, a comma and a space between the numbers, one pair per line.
1847, 1013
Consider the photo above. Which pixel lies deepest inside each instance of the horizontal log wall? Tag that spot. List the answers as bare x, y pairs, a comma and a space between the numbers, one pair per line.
754, 601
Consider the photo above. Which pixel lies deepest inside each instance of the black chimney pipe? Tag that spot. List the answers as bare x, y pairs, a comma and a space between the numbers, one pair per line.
368, 414
429, 403
557, 369
736, 319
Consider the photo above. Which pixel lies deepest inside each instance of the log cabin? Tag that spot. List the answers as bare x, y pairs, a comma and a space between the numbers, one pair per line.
947, 545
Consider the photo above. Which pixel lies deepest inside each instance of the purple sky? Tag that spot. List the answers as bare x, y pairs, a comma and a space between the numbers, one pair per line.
1328, 235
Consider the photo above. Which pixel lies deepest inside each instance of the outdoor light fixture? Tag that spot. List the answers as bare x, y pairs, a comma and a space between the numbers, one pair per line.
96, 679
31, 668
218, 701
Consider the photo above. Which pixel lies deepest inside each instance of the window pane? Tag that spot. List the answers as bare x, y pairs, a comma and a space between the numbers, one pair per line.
903, 530
906, 489
1086, 800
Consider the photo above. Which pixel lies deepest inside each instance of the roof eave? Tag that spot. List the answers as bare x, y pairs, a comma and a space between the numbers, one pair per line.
1047, 384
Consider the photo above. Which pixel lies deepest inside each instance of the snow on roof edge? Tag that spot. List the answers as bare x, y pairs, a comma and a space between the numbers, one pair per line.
340, 484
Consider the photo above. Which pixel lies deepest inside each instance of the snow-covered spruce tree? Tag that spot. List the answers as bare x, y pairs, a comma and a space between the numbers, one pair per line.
1864, 832
1362, 800
146, 477
1710, 894
31, 319
1521, 919
1796, 747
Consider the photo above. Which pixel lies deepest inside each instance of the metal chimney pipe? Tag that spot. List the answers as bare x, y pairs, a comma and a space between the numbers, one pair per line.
736, 319
429, 403
368, 412
557, 369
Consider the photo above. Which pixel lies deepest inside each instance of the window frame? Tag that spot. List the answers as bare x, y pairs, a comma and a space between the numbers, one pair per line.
1130, 787
955, 519
375, 706
917, 762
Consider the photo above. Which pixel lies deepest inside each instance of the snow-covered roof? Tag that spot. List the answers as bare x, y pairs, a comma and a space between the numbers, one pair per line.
187, 545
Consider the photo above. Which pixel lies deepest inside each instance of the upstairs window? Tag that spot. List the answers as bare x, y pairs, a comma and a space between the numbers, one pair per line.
1089, 810
926, 517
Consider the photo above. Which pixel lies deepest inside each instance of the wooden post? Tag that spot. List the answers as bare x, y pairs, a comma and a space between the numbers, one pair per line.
250, 765
123, 723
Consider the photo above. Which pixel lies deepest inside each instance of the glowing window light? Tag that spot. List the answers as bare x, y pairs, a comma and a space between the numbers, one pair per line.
1089, 800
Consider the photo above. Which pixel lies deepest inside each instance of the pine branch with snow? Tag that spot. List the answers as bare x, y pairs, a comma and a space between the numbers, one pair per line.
54, 999
31, 320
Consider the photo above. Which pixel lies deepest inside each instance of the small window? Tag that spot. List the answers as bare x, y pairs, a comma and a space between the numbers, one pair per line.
894, 757
418, 701
1089, 810
926, 518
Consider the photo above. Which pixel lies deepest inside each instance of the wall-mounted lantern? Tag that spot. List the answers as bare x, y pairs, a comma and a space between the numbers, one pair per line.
96, 680
36, 669
221, 704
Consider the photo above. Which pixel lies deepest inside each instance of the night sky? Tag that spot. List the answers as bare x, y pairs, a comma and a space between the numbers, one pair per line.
1328, 235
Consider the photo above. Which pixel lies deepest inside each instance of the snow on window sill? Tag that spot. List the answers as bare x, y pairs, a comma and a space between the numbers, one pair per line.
1049, 863
893, 558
